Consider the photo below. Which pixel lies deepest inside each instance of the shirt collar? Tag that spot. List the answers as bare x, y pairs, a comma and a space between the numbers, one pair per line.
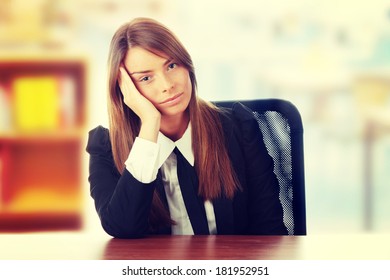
184, 144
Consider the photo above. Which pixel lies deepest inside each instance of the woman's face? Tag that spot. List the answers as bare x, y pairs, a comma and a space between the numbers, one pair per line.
162, 80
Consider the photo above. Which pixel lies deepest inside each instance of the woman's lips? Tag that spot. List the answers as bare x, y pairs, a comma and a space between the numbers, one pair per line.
170, 99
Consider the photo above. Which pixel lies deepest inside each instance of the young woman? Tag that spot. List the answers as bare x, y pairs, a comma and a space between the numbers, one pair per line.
172, 163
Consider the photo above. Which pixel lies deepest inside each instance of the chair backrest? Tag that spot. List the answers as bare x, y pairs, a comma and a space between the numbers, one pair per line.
281, 125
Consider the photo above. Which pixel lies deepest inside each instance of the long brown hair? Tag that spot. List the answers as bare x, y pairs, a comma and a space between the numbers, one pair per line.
208, 142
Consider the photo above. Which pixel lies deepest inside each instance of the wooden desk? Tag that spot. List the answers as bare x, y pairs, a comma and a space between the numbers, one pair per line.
97, 246
204, 247
331, 247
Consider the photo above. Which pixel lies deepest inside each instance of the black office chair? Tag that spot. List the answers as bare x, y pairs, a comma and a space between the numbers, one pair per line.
281, 125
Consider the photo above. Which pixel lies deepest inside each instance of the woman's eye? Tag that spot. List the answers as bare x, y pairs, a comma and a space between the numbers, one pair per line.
172, 65
145, 79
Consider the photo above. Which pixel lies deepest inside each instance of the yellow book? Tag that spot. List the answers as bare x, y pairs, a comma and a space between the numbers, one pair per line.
36, 103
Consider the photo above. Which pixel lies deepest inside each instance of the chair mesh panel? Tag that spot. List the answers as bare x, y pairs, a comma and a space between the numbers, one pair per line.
277, 138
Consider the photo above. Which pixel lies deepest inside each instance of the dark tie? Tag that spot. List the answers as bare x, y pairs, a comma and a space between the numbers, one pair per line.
188, 181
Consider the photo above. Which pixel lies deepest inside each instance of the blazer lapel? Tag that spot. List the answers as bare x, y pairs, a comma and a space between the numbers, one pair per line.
223, 210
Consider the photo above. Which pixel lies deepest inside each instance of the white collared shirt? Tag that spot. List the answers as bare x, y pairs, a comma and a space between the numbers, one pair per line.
147, 157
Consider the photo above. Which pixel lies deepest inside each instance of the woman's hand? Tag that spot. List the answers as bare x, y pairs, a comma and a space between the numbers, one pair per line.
134, 99
150, 117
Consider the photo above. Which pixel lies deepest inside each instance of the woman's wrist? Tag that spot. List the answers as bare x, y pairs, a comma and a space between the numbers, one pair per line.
150, 128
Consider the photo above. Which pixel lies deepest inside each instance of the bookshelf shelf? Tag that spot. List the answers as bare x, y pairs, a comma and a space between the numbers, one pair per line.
15, 136
42, 113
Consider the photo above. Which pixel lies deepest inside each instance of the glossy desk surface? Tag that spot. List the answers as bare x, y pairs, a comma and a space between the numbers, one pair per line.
92, 246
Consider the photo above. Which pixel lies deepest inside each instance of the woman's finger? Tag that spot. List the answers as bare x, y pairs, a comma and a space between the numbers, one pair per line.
125, 82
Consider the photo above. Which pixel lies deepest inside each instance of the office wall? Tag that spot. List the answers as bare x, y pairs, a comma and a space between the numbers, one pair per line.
330, 58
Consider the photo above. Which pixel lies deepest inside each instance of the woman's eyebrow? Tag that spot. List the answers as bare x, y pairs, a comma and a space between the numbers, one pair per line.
167, 61
140, 72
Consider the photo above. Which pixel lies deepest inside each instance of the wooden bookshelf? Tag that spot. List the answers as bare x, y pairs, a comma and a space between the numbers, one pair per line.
41, 143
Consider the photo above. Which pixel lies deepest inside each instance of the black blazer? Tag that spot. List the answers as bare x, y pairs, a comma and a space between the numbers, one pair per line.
123, 203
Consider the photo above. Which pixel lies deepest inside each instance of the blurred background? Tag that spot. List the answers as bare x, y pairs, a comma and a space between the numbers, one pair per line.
329, 58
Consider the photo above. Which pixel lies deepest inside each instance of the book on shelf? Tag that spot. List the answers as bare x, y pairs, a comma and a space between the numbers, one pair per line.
36, 103
42, 198
68, 101
44, 102
5, 161
1, 180
5, 112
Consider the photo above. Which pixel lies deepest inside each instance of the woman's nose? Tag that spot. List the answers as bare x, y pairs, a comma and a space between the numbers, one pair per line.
166, 83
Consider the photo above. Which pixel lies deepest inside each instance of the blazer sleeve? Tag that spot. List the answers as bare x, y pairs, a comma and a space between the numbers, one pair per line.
122, 203
265, 212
